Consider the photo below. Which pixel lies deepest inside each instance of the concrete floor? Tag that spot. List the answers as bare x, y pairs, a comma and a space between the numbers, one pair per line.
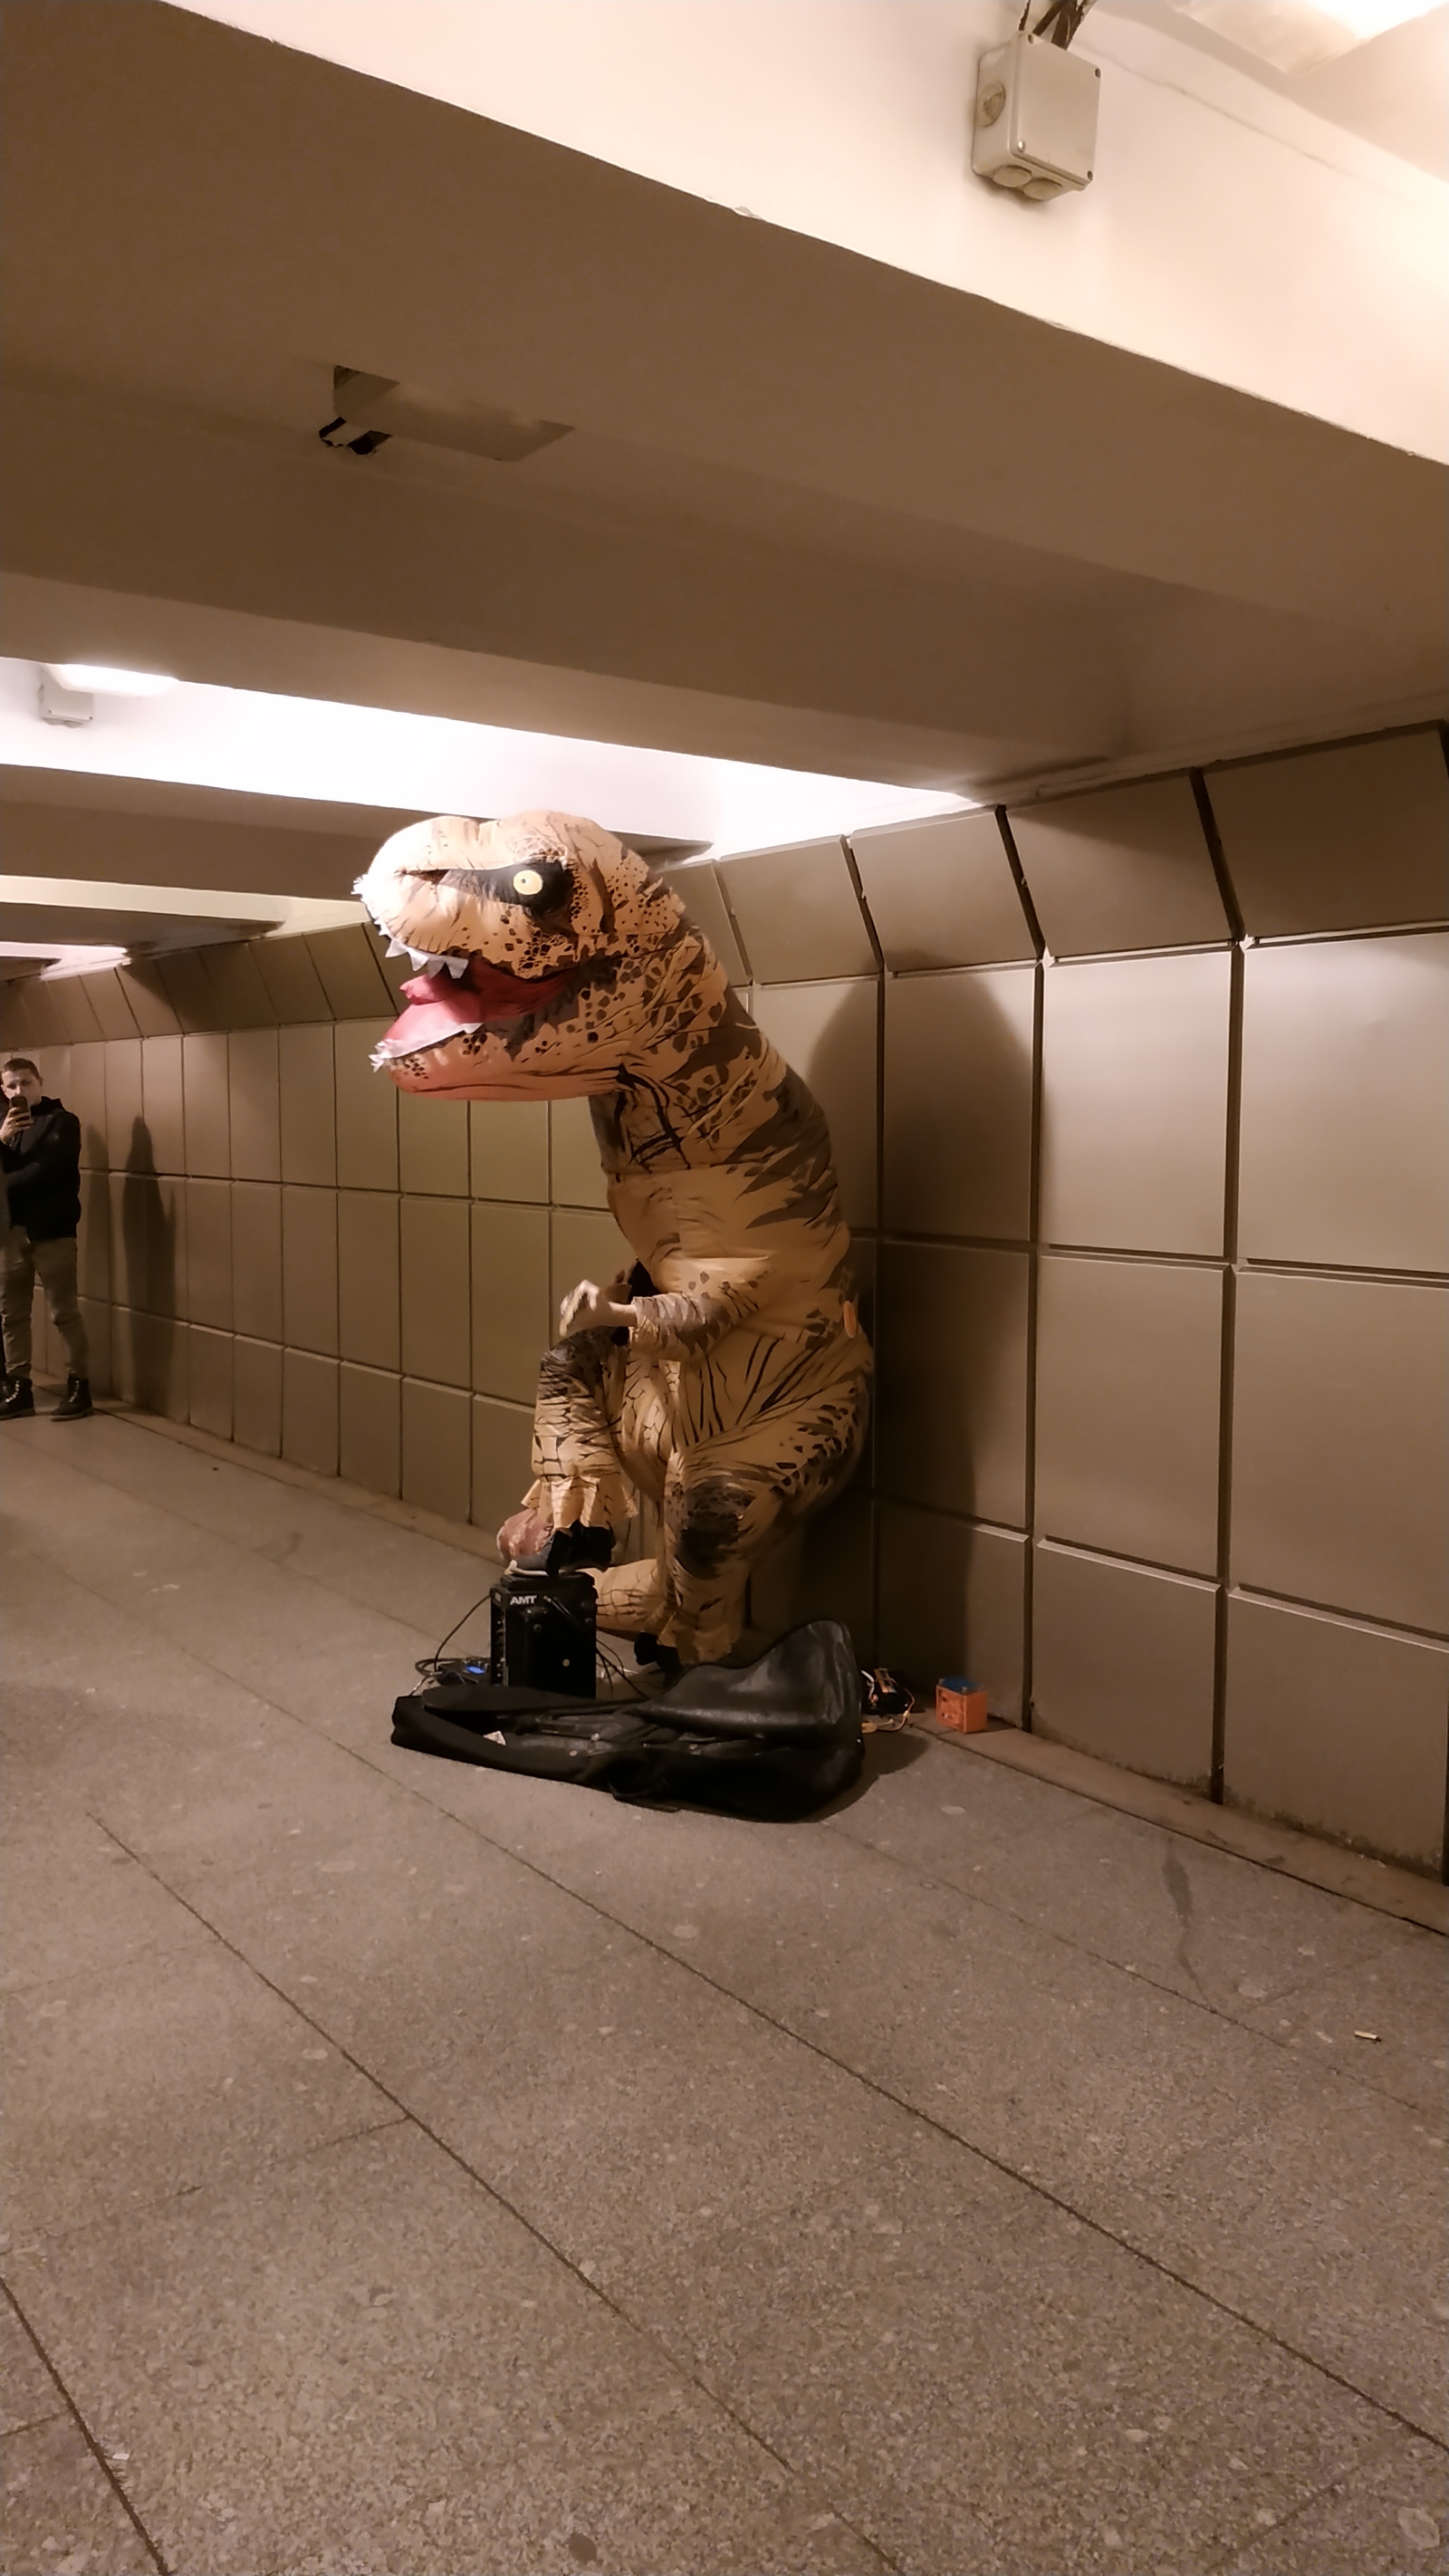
415, 2169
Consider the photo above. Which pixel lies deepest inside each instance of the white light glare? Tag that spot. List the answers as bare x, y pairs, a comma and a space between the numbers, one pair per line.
1297, 35
1373, 17
102, 681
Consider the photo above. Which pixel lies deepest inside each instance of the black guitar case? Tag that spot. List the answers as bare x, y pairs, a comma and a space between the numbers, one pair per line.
776, 1739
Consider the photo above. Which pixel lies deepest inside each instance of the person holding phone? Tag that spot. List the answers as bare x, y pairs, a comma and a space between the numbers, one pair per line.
40, 1143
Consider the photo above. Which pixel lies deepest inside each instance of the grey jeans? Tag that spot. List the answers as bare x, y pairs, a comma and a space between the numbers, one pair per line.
21, 1262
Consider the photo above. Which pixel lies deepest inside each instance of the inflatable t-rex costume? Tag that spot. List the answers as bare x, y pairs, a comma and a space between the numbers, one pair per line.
734, 1392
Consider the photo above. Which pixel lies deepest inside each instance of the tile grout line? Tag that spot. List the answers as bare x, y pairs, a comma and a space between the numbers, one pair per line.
1215, 1819
907, 1869
408, 2118
871, 2083
650, 2334
87, 2436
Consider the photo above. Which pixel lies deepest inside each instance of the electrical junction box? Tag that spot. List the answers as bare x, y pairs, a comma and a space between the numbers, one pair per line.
1036, 118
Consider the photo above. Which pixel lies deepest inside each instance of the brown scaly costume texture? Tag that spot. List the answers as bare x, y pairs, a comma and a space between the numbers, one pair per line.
738, 1399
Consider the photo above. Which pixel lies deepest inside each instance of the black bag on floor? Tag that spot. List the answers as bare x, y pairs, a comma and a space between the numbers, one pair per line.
777, 1738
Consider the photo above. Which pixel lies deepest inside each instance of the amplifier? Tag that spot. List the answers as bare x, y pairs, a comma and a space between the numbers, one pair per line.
544, 1632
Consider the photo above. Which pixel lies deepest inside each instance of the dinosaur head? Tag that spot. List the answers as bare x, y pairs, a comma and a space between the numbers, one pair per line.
538, 940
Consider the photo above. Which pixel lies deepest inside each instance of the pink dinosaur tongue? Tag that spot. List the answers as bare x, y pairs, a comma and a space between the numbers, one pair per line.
441, 1004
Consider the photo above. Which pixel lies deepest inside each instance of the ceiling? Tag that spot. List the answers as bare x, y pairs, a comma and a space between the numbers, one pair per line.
1393, 91
812, 511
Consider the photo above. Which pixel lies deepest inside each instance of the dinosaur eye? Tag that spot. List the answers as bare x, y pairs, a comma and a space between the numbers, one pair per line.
527, 882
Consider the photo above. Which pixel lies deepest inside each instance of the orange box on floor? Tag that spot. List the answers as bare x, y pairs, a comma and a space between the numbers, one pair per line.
960, 1704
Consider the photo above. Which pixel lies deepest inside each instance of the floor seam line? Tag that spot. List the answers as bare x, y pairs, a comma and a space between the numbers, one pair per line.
1199, 2002
410, 2118
871, 2084
912, 2111
257, 1554
87, 2436
906, 1869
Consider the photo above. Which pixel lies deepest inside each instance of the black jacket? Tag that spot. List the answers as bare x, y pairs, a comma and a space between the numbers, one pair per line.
42, 1173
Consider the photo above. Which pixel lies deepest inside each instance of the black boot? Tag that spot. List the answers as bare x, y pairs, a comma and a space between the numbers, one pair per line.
76, 1401
19, 1400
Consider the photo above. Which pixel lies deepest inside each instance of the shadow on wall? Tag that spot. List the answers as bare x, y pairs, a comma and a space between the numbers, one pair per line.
943, 1294
145, 1371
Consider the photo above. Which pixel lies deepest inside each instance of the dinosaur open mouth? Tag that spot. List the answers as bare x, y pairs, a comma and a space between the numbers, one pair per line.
443, 1006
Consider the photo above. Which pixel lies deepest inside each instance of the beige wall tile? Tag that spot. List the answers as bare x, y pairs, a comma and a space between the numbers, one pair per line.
696, 883
502, 1452
366, 1110
508, 1147
585, 1244
293, 985
123, 1353
1340, 1433
1122, 867
160, 1353
114, 1016
512, 1315
1129, 1377
256, 1223
367, 1278
436, 1448
951, 1385
77, 1014
1338, 839
958, 1083
309, 1411
256, 1117
436, 1322
576, 1174
208, 1117
370, 1428
210, 1381
162, 1108
348, 971
97, 1319
308, 1105
1345, 1135
257, 1396
830, 1033
941, 893
1123, 1664
242, 1000
123, 1102
1134, 1103
822, 1569
93, 1237
209, 1254
85, 1093
309, 1270
797, 913
145, 997
1337, 1728
148, 1242
189, 989
433, 1145
952, 1600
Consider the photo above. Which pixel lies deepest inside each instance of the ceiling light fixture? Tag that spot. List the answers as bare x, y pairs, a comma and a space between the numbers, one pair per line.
1296, 35
102, 681
373, 409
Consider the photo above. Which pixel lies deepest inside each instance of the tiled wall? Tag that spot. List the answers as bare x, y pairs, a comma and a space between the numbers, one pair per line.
1140, 1107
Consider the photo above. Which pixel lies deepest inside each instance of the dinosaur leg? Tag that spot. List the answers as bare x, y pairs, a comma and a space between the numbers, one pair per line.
602, 1435
724, 1497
